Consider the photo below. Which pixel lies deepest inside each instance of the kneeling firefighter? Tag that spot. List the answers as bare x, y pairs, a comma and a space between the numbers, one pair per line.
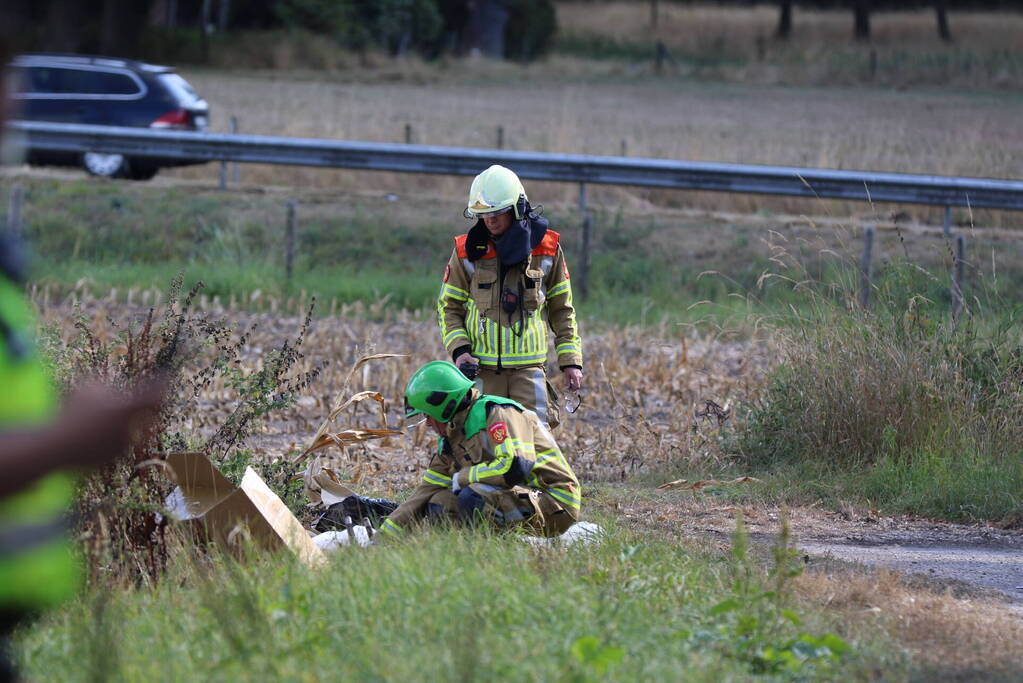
495, 460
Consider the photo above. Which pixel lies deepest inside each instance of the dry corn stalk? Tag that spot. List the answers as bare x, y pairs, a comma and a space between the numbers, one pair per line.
697, 485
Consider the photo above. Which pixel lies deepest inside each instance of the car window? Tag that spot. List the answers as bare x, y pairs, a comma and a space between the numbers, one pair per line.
181, 89
78, 82
116, 84
51, 80
42, 80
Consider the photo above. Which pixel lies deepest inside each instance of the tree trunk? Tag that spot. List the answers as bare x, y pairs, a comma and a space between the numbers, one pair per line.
109, 37
941, 12
224, 15
486, 27
62, 20
204, 33
861, 19
784, 20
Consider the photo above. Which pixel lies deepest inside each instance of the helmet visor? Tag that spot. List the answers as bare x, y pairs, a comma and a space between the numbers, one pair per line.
478, 208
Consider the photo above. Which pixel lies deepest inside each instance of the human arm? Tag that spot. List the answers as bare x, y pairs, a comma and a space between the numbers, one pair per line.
561, 318
436, 478
95, 426
451, 304
511, 444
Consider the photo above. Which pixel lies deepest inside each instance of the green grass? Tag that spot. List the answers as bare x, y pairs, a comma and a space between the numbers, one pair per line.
644, 270
104, 235
458, 605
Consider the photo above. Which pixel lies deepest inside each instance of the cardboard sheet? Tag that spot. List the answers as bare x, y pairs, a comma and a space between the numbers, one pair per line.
216, 509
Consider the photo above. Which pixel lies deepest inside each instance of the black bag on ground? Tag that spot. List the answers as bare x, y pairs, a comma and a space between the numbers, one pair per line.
356, 507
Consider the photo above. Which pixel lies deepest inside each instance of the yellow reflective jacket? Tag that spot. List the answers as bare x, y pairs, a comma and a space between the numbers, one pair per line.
470, 311
481, 444
37, 568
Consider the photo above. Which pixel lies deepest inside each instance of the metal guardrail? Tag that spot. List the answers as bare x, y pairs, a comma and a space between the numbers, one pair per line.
373, 156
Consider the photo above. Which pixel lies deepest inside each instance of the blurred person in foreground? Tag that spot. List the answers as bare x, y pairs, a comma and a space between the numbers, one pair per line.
496, 462
41, 445
505, 285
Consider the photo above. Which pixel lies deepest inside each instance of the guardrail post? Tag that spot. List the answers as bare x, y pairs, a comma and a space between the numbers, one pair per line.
500, 137
223, 164
289, 242
584, 279
947, 227
234, 164
957, 278
408, 133
866, 267
14, 210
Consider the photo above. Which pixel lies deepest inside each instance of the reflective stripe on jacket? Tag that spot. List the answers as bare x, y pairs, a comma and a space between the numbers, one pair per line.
470, 312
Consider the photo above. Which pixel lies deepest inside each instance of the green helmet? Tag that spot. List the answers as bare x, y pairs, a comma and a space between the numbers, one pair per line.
436, 389
494, 190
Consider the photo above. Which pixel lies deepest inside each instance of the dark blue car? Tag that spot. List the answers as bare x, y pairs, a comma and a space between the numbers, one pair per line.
107, 92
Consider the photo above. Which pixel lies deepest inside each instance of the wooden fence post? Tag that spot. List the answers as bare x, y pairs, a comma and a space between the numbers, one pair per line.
584, 279
234, 165
866, 267
14, 210
289, 242
957, 278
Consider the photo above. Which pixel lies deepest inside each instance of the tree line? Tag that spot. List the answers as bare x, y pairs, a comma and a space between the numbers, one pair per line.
513, 29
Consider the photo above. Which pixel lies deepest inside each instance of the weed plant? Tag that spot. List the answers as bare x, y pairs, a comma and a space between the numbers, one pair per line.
119, 507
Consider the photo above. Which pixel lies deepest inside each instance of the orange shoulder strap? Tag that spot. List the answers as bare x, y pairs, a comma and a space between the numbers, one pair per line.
548, 245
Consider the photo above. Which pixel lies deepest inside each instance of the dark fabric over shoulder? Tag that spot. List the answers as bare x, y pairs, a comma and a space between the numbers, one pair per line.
476, 241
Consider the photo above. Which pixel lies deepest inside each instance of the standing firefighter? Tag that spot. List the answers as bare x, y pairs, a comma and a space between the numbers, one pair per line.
495, 461
505, 284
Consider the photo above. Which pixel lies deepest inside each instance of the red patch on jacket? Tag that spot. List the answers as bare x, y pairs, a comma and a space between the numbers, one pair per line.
564, 267
498, 432
447, 272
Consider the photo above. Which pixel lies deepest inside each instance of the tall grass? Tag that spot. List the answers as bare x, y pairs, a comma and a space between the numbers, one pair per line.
903, 406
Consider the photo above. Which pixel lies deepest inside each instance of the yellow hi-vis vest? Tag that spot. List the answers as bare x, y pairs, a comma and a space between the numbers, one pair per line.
37, 565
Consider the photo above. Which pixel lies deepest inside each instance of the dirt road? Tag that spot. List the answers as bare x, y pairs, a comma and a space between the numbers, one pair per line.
968, 559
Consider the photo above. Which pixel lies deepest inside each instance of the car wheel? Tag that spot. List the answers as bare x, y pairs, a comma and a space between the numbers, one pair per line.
104, 165
139, 171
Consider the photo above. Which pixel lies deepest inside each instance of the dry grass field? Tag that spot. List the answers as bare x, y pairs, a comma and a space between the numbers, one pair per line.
946, 132
818, 37
637, 412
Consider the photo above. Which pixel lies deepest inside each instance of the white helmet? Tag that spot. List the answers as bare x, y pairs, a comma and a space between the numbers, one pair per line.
496, 189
